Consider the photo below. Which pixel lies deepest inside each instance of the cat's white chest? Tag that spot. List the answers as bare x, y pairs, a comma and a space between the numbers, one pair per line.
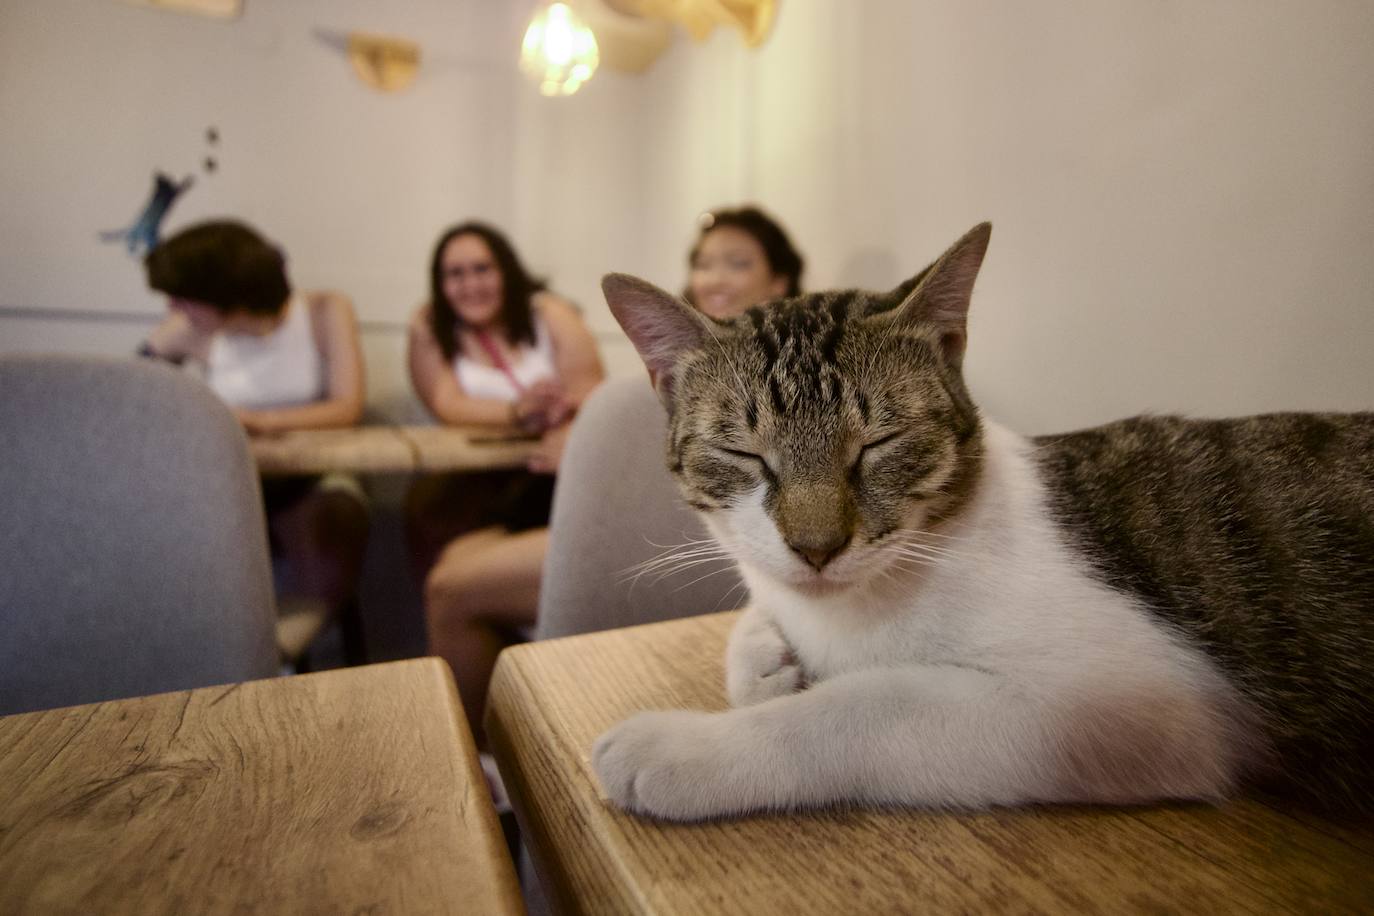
1005, 596
835, 636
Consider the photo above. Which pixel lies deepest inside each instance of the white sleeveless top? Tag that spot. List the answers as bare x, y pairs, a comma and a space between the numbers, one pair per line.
279, 369
531, 364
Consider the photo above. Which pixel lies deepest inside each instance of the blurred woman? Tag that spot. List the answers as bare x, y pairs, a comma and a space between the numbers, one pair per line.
492, 348
281, 360
742, 257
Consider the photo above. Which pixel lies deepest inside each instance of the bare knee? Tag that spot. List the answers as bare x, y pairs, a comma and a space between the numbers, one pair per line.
447, 594
452, 585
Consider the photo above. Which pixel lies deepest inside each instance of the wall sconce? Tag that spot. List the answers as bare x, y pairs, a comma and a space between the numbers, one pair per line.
559, 51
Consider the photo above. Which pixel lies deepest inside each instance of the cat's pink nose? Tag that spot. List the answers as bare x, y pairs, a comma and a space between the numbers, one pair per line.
818, 555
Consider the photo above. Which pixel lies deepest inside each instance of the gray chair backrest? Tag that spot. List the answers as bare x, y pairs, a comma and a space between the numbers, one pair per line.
616, 507
133, 550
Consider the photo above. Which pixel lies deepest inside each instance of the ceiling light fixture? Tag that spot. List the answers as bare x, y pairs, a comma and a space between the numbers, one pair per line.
559, 52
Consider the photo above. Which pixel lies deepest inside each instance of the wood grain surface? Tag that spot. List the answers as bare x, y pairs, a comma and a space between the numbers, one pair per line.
350, 791
550, 700
386, 449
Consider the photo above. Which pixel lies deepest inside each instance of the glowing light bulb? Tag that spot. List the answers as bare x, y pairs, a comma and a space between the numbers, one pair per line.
559, 52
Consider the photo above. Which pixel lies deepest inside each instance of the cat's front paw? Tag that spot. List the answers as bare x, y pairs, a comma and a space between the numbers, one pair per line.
664, 764
759, 666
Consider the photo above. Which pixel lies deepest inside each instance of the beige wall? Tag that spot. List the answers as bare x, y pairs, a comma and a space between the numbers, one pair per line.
1182, 193
95, 95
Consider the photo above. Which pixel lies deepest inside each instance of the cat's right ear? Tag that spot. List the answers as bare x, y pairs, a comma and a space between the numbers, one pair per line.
660, 325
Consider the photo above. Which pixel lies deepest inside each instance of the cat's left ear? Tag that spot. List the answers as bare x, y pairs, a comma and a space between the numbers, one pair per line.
943, 291
660, 325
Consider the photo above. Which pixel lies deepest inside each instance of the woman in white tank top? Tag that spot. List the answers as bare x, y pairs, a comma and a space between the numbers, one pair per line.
280, 361
492, 348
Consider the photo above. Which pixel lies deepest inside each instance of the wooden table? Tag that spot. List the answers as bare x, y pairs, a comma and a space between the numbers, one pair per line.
549, 701
349, 791
386, 449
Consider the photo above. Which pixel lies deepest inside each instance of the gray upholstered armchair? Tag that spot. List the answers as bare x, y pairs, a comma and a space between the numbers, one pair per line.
616, 507
133, 552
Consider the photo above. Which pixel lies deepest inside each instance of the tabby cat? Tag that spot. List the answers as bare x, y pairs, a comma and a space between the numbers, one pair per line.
946, 614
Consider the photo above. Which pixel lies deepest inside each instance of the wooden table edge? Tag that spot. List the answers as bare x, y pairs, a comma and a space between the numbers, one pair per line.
481, 826
504, 878
575, 796
553, 873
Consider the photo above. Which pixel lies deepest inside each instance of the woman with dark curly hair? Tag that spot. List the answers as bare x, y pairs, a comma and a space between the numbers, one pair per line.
281, 360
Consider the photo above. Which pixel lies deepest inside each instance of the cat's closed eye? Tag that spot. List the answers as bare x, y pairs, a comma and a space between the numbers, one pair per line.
753, 457
871, 449
879, 442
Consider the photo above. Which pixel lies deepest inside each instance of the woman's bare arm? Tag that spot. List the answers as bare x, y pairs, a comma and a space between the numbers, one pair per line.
574, 349
437, 386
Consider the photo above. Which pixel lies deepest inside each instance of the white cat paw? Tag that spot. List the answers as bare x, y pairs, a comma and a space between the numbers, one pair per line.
761, 666
664, 764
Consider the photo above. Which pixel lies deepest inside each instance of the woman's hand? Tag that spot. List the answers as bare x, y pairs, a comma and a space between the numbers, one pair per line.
255, 422
549, 452
176, 338
541, 406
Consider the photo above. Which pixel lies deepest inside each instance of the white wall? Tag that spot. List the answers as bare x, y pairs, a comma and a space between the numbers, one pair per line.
1183, 193
95, 95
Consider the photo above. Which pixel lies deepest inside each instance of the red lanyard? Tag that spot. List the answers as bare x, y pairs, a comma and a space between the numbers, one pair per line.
484, 338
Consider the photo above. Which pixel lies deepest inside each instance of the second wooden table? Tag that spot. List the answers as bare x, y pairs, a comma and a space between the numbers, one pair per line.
550, 700
386, 450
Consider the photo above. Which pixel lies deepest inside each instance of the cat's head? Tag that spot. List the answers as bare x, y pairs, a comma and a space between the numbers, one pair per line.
820, 435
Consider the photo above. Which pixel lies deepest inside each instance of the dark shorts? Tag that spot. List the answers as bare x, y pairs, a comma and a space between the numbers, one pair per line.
442, 507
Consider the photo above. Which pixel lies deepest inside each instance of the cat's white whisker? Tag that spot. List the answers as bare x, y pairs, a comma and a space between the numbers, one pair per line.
725, 601
930, 550
662, 570
911, 562
688, 542
686, 550
704, 578
674, 561
927, 550
925, 532
918, 542
924, 557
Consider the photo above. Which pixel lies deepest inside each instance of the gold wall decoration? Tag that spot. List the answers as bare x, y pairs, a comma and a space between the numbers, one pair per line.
219, 9
385, 63
628, 42
700, 17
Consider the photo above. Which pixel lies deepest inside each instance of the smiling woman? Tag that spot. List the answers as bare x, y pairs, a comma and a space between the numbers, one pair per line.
493, 348
742, 257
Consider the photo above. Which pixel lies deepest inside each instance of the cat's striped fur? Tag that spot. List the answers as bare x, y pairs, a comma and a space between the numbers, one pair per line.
945, 613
